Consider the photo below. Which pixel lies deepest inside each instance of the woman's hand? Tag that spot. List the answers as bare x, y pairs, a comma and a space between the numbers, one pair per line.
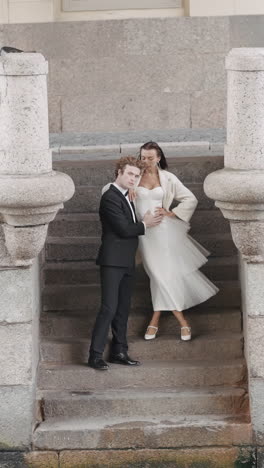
164, 212
132, 194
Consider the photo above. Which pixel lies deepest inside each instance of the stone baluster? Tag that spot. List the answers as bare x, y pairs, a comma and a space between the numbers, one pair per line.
30, 195
239, 193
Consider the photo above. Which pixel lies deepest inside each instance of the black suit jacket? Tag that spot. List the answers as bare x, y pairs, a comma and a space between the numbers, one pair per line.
119, 232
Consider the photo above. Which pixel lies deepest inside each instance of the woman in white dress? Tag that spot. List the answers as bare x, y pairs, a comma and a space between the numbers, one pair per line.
171, 258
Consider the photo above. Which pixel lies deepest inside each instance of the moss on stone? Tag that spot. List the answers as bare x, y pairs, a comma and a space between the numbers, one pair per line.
246, 458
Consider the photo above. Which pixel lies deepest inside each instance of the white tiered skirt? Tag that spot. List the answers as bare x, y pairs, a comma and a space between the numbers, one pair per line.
171, 259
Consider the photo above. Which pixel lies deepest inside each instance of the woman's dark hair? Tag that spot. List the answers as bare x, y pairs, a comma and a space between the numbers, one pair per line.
152, 145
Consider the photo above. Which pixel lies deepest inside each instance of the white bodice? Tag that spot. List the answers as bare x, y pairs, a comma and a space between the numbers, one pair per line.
148, 199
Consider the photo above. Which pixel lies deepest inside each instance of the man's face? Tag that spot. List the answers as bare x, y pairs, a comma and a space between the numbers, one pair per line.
129, 177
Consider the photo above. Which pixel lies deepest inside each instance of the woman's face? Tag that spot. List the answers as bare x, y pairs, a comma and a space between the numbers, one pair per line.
150, 157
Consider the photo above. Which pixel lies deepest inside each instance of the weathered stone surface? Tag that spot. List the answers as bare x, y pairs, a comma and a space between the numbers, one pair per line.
16, 409
87, 272
211, 458
255, 346
41, 460
157, 36
119, 112
11, 460
59, 433
79, 324
189, 169
255, 293
257, 408
29, 460
165, 374
227, 345
16, 295
139, 403
208, 108
246, 30
87, 297
55, 118
213, 135
260, 456
16, 354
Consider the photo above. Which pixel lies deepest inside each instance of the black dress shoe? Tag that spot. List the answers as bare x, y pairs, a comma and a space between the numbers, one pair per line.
123, 358
97, 363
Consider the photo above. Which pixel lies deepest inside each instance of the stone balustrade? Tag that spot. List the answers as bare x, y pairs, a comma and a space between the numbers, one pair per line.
238, 191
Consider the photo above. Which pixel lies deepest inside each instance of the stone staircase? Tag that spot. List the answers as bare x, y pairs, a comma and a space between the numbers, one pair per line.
185, 394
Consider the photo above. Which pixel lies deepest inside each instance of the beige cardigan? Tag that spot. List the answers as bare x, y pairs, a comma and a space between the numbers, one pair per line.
174, 190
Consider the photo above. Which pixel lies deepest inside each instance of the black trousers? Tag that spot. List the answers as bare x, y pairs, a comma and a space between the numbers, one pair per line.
116, 290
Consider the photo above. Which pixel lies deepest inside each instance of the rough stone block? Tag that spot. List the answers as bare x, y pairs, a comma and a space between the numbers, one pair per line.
16, 409
260, 457
256, 393
246, 31
88, 153
255, 344
16, 295
208, 108
55, 119
83, 38
254, 278
119, 112
16, 354
160, 37
212, 457
12, 460
42, 460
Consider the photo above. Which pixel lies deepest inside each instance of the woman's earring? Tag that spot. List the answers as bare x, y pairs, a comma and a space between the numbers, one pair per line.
158, 164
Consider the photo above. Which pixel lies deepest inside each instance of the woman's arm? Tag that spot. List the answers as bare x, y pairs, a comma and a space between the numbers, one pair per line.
187, 200
106, 187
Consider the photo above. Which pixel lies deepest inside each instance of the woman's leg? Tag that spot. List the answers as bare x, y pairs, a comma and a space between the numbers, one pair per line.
153, 323
183, 322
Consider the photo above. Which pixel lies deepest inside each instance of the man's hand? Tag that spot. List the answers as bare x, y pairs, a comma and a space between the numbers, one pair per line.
151, 220
170, 214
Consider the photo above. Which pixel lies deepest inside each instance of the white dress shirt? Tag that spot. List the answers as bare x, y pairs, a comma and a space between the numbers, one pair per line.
123, 191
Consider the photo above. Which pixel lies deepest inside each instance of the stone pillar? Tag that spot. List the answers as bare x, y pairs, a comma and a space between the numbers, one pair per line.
30, 195
239, 193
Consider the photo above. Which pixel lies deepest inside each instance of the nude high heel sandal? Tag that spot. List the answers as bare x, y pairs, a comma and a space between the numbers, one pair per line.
151, 337
186, 337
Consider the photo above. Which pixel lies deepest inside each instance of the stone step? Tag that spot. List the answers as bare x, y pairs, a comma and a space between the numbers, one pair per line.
76, 377
222, 268
214, 346
86, 199
120, 433
100, 172
86, 248
143, 403
82, 224
213, 457
79, 324
70, 297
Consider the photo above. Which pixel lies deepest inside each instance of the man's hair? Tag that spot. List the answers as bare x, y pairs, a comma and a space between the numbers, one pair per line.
129, 161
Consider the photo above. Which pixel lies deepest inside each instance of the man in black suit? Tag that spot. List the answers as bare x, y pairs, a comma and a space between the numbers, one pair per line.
116, 257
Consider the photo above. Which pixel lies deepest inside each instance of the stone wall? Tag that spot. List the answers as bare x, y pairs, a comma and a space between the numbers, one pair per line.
137, 74
19, 323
